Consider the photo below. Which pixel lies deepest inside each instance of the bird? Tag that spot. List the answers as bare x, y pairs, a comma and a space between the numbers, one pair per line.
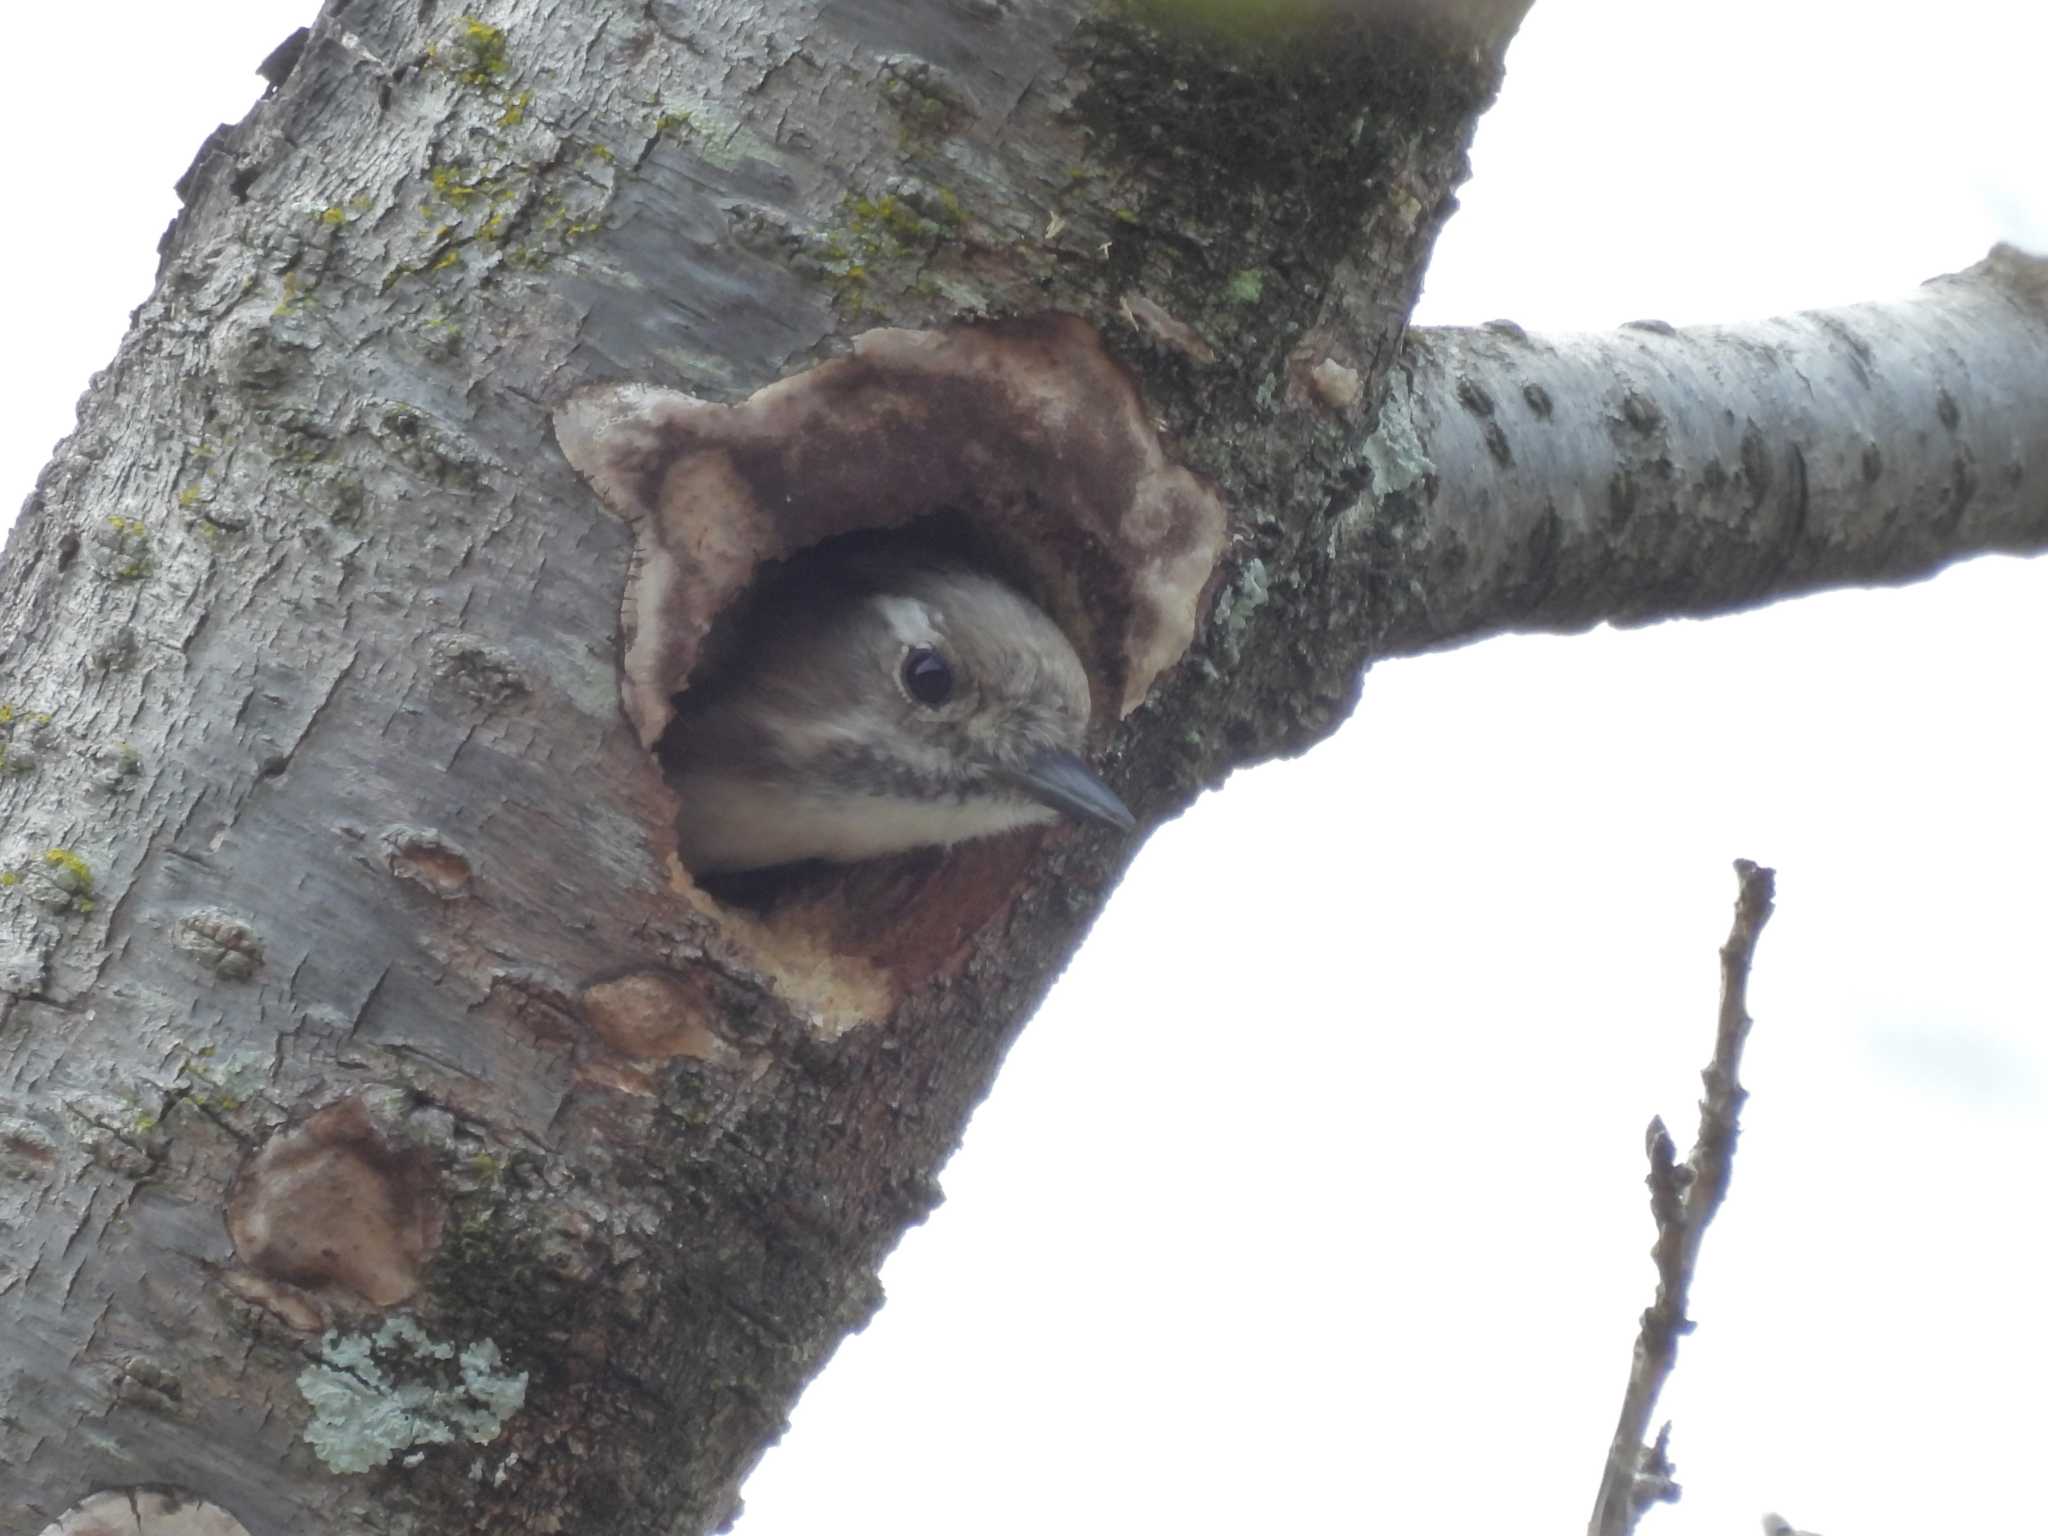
882, 703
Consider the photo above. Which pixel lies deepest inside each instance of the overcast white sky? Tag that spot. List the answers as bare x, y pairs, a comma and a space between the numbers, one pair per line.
1312, 1202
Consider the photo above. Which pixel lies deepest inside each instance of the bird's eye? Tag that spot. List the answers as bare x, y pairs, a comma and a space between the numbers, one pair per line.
927, 676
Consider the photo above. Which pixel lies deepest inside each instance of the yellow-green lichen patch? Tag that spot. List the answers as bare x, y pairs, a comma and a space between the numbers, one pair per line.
467, 196
451, 188
123, 548
294, 291
466, 206
58, 880
910, 219
441, 334
477, 58
891, 237
72, 872
569, 224
336, 214
207, 519
481, 53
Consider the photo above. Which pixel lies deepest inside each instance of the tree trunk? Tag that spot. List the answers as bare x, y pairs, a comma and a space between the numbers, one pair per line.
395, 1136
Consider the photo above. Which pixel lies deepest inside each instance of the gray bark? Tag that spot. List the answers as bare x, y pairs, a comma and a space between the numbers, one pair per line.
1556, 482
397, 1139
394, 1137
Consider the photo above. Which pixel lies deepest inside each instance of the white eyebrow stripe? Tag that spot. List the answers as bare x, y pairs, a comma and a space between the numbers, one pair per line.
909, 620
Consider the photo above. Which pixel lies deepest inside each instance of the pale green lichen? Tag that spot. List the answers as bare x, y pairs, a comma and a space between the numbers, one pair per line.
1245, 287
375, 1397
1395, 453
1245, 596
1398, 462
224, 1086
715, 137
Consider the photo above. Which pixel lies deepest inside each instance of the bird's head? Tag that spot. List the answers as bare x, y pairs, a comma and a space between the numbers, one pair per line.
898, 705
986, 697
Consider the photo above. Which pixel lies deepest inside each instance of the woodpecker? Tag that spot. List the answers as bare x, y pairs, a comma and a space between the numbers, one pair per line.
889, 703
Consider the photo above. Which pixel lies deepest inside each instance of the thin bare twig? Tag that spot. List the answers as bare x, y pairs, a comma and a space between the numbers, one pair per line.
1683, 1199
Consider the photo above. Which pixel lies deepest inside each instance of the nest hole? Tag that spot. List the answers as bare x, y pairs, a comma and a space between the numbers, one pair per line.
1024, 447
912, 914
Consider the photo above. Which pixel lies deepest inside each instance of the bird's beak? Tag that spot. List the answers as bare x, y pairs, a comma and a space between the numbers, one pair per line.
1062, 781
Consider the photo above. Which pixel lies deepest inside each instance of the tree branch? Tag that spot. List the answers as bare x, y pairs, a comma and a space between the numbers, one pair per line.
1551, 483
1683, 1200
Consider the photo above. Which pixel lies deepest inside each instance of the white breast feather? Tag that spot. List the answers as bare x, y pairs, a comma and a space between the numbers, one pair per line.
729, 823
